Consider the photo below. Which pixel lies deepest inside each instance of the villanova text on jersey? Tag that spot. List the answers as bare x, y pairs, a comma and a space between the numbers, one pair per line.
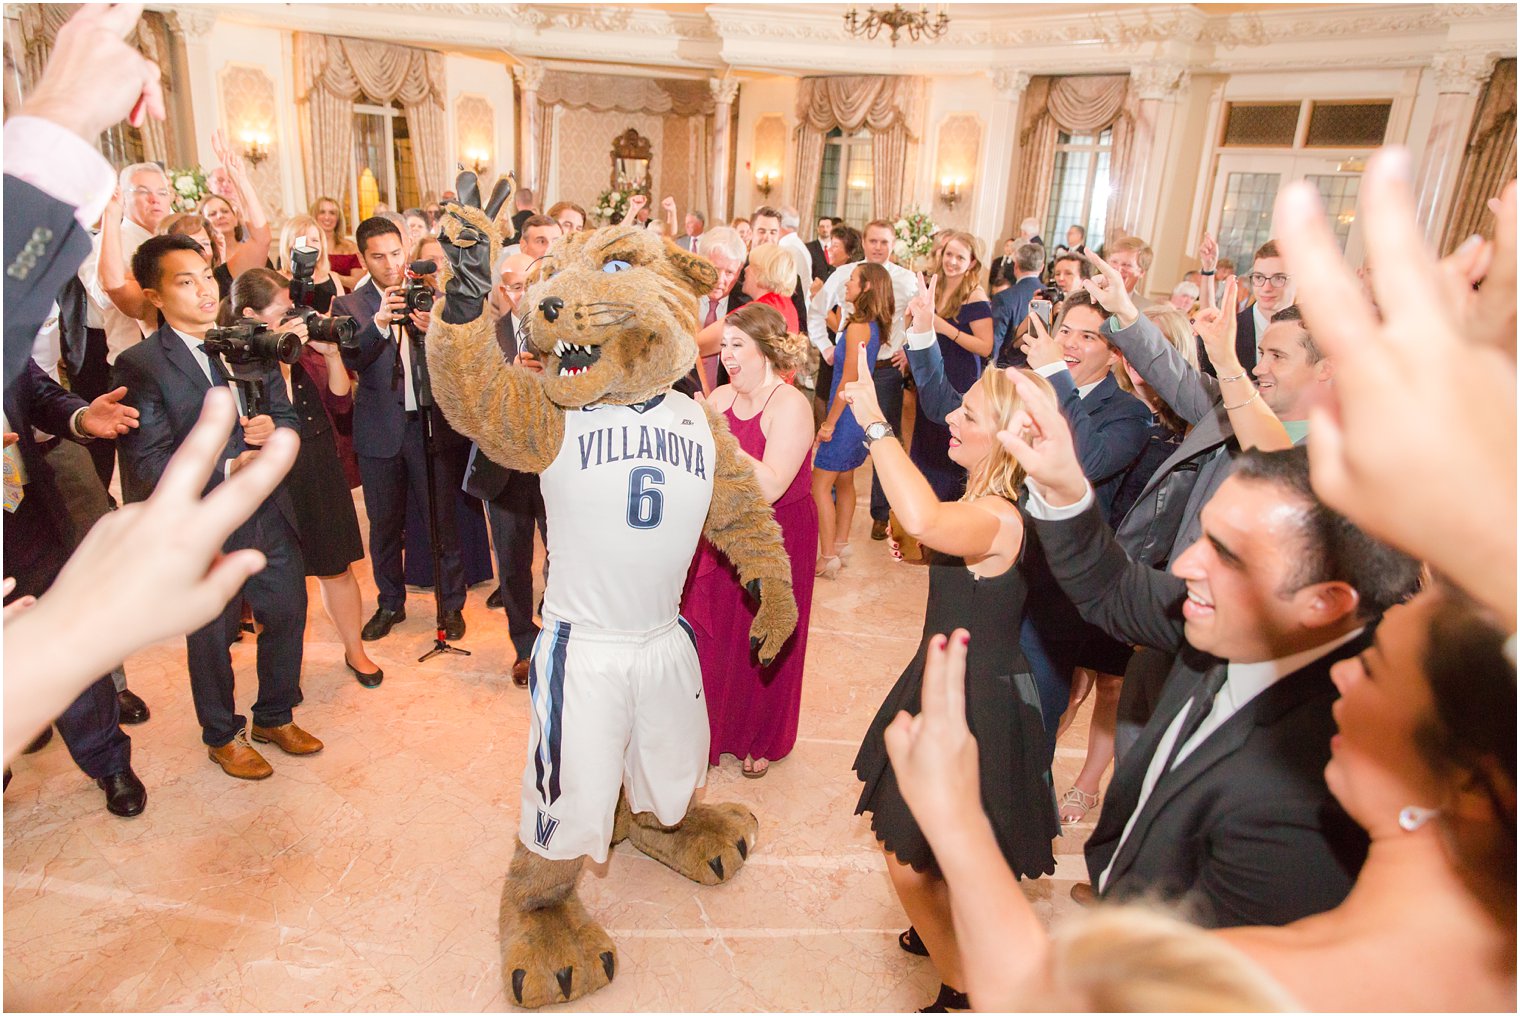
617, 444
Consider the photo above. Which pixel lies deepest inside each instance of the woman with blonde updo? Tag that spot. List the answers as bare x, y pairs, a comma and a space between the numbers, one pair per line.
753, 710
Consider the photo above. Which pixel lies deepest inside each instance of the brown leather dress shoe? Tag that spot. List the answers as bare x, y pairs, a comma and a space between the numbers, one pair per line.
239, 759
291, 739
520, 673
1082, 894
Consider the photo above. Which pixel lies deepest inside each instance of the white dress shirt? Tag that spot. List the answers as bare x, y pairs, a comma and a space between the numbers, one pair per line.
1052, 369
59, 163
904, 289
1262, 321
122, 332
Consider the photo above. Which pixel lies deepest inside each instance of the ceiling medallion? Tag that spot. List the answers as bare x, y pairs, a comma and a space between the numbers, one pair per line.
919, 23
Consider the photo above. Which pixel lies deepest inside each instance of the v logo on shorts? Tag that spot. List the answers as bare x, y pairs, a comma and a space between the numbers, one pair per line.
543, 829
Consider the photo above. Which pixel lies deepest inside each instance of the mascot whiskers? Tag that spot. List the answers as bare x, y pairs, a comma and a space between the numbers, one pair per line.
632, 474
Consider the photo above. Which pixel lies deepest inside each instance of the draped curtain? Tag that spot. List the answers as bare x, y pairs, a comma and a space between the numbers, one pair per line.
39, 24
1074, 105
1490, 160
331, 72
888, 107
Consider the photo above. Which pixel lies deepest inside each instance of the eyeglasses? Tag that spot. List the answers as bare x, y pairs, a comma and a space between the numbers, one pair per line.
138, 192
1279, 280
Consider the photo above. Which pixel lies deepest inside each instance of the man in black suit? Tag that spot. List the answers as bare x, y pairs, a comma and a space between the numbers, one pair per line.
1002, 265
388, 435
167, 377
1223, 798
514, 504
1011, 306
818, 249
38, 540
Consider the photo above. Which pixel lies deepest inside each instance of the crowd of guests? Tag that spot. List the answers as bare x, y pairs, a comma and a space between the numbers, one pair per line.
1269, 523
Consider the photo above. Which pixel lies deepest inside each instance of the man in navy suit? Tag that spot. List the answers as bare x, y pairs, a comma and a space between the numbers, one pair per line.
388, 430
167, 377
514, 504
1011, 306
37, 544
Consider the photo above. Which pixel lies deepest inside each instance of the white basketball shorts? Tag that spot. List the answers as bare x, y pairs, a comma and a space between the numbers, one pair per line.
610, 710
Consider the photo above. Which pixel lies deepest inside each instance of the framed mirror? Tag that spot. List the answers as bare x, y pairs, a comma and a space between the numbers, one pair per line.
631, 154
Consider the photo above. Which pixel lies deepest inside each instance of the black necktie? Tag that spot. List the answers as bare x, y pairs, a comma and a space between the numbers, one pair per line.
218, 369
1199, 707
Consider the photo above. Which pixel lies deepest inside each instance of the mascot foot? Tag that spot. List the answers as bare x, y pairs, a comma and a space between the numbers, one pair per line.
555, 954
708, 846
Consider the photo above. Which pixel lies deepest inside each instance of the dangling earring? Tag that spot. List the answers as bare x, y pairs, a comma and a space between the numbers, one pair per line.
1413, 817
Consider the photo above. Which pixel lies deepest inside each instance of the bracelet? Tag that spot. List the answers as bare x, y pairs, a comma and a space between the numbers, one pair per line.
1202, 272
1255, 394
1235, 377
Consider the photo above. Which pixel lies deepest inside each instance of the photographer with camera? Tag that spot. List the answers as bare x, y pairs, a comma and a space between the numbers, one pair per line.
389, 429
167, 376
321, 391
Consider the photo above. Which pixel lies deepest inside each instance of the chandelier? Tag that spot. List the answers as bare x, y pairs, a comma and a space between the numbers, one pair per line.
919, 23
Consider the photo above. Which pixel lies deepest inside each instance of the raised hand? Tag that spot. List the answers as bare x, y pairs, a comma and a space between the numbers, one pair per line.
1038, 344
94, 79
934, 754
1416, 441
921, 307
470, 241
1038, 436
1107, 290
669, 204
1216, 327
1208, 253
860, 394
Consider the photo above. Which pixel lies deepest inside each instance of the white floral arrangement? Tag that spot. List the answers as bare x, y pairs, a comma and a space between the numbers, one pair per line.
190, 188
913, 238
611, 206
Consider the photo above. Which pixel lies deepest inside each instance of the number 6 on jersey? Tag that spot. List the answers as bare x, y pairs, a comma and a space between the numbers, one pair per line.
646, 502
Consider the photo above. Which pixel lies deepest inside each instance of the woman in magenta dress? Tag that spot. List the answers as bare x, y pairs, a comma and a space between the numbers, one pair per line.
753, 710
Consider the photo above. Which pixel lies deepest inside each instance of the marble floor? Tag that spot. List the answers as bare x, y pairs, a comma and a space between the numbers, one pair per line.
367, 877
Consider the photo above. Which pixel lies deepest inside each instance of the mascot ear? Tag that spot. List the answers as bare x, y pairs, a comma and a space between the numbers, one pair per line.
697, 270
503, 190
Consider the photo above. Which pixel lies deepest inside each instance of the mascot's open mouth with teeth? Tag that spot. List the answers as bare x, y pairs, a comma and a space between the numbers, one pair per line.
575, 359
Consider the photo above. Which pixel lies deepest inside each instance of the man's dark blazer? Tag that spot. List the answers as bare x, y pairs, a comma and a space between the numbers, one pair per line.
486, 479
44, 247
1009, 309
1244, 828
380, 402
821, 268
1110, 427
36, 400
167, 387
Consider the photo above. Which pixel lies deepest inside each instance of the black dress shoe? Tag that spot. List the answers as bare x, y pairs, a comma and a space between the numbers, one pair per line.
453, 625
39, 742
381, 623
133, 709
494, 600
368, 680
125, 794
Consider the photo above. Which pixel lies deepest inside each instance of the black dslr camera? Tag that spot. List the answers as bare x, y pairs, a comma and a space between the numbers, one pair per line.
251, 342
340, 329
418, 294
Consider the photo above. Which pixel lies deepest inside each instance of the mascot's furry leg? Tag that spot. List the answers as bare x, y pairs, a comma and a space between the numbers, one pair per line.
552, 951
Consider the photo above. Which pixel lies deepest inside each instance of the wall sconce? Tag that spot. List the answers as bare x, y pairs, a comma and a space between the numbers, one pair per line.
765, 180
255, 147
950, 190
478, 160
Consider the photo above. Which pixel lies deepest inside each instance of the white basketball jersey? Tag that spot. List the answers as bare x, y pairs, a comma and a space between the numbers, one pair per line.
626, 500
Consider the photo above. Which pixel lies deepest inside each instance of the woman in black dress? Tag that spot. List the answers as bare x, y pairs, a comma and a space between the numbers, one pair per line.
303, 230
320, 389
974, 583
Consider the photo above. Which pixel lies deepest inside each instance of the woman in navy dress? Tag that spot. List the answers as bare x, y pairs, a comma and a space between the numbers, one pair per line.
963, 327
841, 448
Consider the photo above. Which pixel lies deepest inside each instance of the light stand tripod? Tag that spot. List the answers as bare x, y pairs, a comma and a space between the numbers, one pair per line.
427, 410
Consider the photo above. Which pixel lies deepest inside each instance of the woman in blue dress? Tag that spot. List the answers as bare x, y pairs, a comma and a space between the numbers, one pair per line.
963, 327
841, 443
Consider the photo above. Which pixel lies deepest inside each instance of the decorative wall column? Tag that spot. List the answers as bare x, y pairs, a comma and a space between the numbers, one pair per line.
194, 25
530, 77
724, 91
1459, 77
1153, 89
994, 219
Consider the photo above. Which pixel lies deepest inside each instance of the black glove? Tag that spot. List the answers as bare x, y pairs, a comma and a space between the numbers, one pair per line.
469, 255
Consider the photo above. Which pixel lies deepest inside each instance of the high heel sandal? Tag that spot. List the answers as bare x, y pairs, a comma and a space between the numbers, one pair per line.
1078, 802
843, 552
828, 567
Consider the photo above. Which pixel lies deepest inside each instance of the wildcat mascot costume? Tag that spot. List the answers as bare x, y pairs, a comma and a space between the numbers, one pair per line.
632, 474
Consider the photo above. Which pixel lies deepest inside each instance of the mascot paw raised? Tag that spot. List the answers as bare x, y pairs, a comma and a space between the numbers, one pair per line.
633, 473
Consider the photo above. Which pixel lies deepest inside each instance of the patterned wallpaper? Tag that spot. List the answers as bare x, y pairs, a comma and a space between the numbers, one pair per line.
248, 104
585, 152
474, 129
957, 151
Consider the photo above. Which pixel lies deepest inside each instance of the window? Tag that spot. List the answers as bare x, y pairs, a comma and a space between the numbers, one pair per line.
846, 180
1306, 123
1258, 124
1079, 186
1245, 222
383, 170
1347, 124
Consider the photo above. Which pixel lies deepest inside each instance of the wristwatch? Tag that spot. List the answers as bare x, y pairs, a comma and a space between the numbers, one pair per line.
876, 431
